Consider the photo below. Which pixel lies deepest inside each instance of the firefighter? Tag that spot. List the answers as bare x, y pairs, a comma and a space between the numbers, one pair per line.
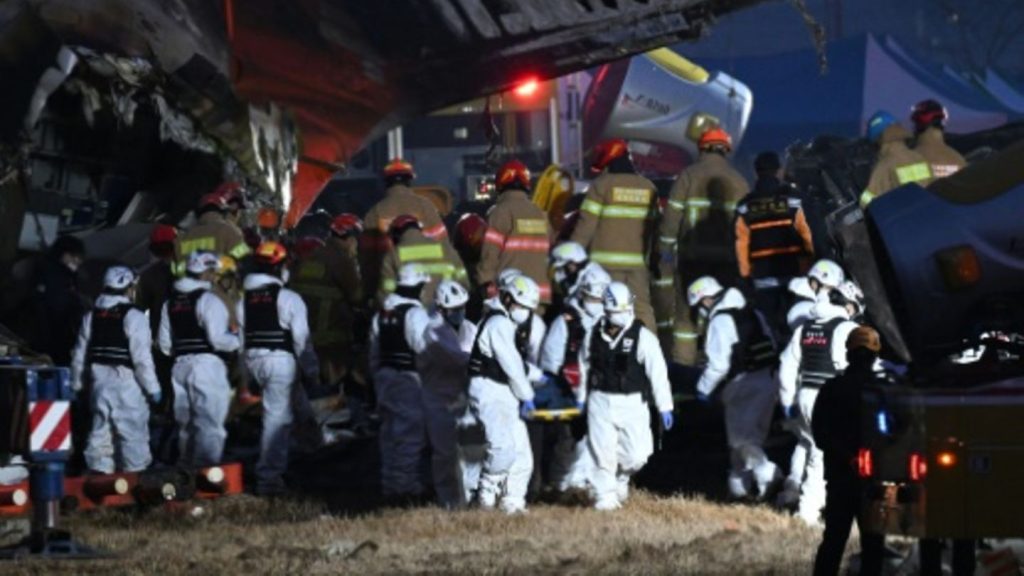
773, 241
328, 282
621, 370
500, 394
469, 240
275, 339
213, 231
896, 164
115, 346
235, 201
823, 276
929, 118
696, 236
398, 337
154, 286
816, 353
741, 361
413, 245
518, 234
837, 422
616, 222
399, 199
194, 330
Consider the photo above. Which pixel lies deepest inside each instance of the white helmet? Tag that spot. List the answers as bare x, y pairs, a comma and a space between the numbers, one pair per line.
703, 287
412, 274
507, 275
594, 281
450, 294
119, 278
618, 298
827, 272
568, 253
524, 291
202, 260
852, 293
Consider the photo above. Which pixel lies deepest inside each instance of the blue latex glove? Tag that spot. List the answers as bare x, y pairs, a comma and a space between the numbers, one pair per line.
547, 379
667, 420
526, 410
156, 397
581, 406
787, 411
702, 398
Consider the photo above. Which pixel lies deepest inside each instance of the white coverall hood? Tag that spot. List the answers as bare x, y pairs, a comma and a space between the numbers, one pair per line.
257, 280
189, 284
732, 299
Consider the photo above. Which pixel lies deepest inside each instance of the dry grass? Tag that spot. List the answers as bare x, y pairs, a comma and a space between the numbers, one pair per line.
245, 535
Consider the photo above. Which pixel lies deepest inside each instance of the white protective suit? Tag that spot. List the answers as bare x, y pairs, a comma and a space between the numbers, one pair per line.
807, 465
442, 368
403, 419
509, 461
202, 393
120, 411
801, 311
748, 398
619, 425
276, 371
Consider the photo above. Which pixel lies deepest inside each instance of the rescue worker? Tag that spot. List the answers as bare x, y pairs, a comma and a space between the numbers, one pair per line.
823, 276
929, 118
572, 466
212, 232
696, 237
518, 234
896, 164
741, 361
399, 199
816, 353
773, 241
397, 339
329, 284
500, 393
442, 367
570, 264
235, 201
57, 303
156, 279
114, 350
837, 425
617, 221
469, 240
275, 333
413, 245
194, 330
622, 369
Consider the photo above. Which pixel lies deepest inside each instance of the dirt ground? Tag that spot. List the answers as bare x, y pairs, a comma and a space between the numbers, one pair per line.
246, 535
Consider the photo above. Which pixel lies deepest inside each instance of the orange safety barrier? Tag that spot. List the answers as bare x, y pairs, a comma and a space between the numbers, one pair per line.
14, 500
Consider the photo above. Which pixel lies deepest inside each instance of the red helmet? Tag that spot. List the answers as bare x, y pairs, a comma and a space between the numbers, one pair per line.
213, 200
271, 253
470, 230
512, 173
607, 151
232, 193
399, 168
928, 113
714, 137
163, 234
306, 245
402, 223
346, 224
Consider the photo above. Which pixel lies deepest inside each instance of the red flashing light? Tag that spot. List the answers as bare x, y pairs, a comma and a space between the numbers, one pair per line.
526, 88
918, 467
865, 463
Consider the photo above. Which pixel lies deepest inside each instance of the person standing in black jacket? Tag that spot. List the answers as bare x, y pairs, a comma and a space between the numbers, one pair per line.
836, 424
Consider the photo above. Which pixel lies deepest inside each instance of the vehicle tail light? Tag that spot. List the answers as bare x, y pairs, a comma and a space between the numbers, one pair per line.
959, 266
945, 459
917, 467
865, 463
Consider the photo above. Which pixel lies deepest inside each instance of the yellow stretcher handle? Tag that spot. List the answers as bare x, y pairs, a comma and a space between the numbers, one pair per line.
561, 415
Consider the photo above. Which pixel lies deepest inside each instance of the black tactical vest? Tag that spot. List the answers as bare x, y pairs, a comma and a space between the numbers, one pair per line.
395, 351
576, 333
108, 341
754, 348
816, 365
262, 324
187, 336
617, 370
488, 367
775, 245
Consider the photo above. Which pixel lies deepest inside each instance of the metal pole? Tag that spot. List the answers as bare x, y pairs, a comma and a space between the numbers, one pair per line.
553, 119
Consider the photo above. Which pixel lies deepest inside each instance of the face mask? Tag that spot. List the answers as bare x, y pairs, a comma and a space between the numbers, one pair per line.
285, 275
560, 276
620, 319
520, 315
703, 312
454, 318
593, 309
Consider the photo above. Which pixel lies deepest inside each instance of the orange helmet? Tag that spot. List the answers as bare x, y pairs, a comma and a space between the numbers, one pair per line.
402, 223
714, 137
163, 234
271, 253
607, 151
512, 173
231, 192
399, 168
470, 230
346, 224
213, 200
268, 218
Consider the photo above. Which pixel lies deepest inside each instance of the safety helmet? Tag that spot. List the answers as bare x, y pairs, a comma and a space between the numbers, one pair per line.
568, 253
119, 278
877, 124
400, 169
231, 192
213, 200
163, 234
594, 282
701, 288
618, 298
928, 113
827, 272
606, 152
506, 276
346, 224
412, 274
470, 230
202, 260
512, 174
271, 253
852, 293
450, 294
268, 218
400, 224
524, 291
227, 265
714, 137
864, 337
